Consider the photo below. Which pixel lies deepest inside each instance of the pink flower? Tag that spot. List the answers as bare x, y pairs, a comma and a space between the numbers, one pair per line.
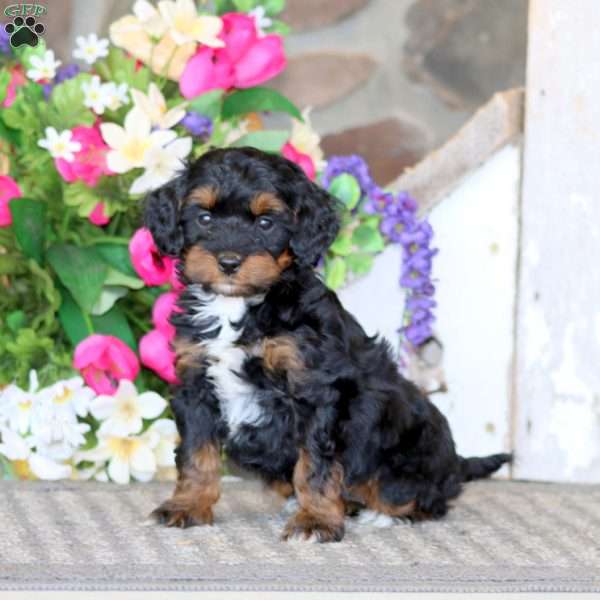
156, 354
103, 361
17, 79
245, 61
150, 265
175, 282
304, 161
8, 190
163, 307
90, 162
98, 216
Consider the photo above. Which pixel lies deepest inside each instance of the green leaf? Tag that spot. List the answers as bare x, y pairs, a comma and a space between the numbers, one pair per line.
81, 196
109, 295
258, 99
115, 277
115, 323
368, 239
244, 5
342, 245
117, 256
121, 68
267, 141
279, 27
16, 320
360, 263
66, 109
12, 136
208, 104
81, 271
29, 225
273, 7
4, 81
72, 319
335, 272
346, 188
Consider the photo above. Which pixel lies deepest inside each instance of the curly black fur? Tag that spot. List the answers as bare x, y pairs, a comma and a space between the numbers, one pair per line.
349, 406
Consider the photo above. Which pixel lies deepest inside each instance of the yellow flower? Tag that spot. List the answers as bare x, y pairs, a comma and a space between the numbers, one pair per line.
186, 25
165, 39
163, 58
306, 140
153, 105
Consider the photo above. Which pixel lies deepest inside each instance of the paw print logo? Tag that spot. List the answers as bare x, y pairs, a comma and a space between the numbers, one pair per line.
24, 31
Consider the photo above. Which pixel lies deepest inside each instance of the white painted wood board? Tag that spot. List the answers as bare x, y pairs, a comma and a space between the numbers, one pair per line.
557, 422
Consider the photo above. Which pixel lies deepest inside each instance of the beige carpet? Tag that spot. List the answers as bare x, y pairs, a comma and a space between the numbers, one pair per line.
502, 536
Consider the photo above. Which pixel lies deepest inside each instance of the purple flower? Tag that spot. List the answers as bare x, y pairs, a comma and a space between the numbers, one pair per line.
66, 72
198, 125
5, 47
47, 89
399, 224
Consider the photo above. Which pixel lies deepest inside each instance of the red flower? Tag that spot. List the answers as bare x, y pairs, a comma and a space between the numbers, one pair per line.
156, 354
245, 61
149, 263
8, 190
89, 162
302, 160
103, 361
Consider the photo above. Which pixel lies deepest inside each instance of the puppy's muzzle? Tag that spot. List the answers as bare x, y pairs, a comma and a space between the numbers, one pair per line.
229, 262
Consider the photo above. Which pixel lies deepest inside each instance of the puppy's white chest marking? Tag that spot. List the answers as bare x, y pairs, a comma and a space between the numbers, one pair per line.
238, 398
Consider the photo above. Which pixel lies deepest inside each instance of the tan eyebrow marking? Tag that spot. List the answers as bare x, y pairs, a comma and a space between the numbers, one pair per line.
206, 197
266, 202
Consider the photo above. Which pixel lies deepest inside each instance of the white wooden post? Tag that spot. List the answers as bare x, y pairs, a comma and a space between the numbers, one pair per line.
556, 416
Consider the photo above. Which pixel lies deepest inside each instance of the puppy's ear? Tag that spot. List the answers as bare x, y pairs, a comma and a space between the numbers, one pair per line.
161, 217
317, 223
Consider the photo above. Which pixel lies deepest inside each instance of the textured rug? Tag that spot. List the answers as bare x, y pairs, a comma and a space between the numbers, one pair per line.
501, 536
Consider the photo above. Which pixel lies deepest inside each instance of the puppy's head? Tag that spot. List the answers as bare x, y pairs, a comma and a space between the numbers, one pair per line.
237, 218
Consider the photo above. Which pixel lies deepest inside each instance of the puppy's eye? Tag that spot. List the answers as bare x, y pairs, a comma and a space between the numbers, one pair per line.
265, 223
204, 218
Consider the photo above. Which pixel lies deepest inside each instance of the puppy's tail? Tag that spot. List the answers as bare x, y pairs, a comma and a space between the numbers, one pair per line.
478, 467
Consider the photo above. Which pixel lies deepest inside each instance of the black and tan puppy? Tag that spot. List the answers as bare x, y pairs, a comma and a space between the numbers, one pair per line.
275, 370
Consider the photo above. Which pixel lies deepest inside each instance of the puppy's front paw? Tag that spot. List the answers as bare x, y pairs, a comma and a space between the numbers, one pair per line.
171, 514
305, 526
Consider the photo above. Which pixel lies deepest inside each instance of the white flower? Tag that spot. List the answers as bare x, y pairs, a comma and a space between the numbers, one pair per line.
164, 451
71, 395
161, 163
95, 95
90, 48
115, 95
60, 145
17, 448
153, 105
127, 456
260, 18
130, 144
149, 18
55, 431
186, 25
306, 140
16, 405
43, 67
122, 413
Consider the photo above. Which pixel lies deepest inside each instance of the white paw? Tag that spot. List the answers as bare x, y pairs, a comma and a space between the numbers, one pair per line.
375, 519
291, 506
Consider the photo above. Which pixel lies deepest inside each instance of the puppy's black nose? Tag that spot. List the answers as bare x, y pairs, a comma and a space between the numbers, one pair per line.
229, 262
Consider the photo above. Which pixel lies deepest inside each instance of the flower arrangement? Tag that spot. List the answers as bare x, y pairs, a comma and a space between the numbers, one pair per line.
85, 337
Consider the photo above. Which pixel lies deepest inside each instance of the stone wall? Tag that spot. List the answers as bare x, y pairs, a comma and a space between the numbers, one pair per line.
389, 79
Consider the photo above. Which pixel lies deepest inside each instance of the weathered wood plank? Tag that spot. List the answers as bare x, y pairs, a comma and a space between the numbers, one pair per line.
557, 416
